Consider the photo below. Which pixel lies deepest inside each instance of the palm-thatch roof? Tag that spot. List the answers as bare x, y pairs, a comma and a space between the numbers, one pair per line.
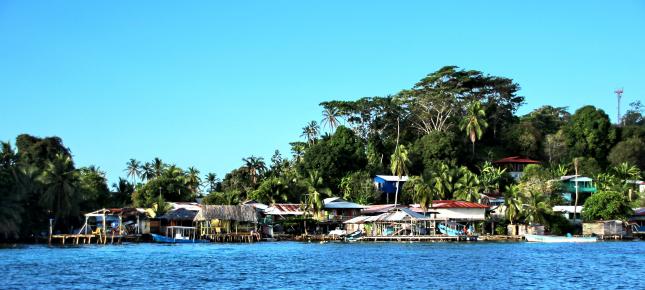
240, 213
180, 214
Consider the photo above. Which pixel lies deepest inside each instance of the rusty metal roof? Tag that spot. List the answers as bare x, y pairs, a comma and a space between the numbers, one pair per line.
516, 159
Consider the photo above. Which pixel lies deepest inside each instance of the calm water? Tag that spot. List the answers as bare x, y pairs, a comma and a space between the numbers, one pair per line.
294, 265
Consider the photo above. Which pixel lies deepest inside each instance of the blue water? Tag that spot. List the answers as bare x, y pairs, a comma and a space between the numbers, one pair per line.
291, 265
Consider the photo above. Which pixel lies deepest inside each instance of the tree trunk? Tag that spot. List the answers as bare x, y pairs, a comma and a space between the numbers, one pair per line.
396, 195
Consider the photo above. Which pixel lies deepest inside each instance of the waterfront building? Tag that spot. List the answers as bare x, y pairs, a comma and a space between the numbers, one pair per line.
227, 222
515, 165
584, 185
387, 184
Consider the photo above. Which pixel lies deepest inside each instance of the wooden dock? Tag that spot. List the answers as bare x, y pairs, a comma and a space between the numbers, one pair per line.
437, 238
233, 238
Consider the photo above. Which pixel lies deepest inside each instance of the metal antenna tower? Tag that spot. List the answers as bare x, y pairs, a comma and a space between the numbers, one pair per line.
619, 94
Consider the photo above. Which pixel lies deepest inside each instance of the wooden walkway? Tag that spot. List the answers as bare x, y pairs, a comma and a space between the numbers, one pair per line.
77, 239
233, 238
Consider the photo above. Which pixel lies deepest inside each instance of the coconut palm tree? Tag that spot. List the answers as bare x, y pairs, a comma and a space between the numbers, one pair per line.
311, 132
626, 172
122, 194
255, 166
422, 192
536, 208
211, 181
133, 169
399, 167
469, 189
447, 180
330, 118
316, 192
192, 179
474, 122
147, 172
60, 183
158, 166
513, 204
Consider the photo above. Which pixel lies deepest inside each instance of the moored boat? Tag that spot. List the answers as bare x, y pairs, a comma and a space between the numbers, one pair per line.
559, 239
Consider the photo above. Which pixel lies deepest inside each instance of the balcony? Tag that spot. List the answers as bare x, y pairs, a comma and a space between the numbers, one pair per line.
581, 188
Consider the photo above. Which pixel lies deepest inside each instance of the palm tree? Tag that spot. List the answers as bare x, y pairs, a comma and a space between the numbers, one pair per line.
122, 192
316, 192
627, 172
147, 171
211, 181
447, 181
513, 204
311, 132
536, 208
192, 179
60, 183
133, 169
474, 122
399, 167
255, 167
158, 166
330, 118
469, 189
423, 192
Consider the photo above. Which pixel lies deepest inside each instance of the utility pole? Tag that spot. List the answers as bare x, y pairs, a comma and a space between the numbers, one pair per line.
619, 95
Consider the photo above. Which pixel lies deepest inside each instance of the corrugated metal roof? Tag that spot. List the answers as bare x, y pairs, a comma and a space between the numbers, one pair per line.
284, 209
339, 203
377, 208
516, 159
453, 204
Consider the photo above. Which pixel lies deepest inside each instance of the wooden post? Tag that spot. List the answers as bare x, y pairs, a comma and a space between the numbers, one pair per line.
51, 230
104, 228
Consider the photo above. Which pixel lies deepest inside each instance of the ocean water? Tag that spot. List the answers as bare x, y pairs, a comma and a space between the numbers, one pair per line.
293, 265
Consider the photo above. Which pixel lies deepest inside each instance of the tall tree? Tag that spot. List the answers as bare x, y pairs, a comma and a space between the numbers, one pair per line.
193, 180
311, 132
423, 191
133, 169
211, 181
255, 167
316, 192
122, 194
60, 181
512, 203
147, 171
590, 134
158, 166
330, 118
474, 122
399, 167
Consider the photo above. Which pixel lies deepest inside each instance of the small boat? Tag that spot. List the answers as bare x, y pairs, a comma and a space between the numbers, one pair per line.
559, 239
176, 234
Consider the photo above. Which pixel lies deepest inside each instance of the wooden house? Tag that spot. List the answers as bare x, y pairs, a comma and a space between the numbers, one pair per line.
605, 229
515, 165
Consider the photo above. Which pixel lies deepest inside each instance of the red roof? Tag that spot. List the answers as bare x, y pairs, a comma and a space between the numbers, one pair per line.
517, 159
287, 207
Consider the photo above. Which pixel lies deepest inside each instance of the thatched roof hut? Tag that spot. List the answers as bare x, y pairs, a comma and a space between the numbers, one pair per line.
239, 213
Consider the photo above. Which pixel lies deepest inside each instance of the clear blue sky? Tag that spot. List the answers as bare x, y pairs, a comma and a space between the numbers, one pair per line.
205, 83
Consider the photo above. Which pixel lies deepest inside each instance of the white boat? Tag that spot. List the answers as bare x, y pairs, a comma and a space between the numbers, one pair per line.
559, 239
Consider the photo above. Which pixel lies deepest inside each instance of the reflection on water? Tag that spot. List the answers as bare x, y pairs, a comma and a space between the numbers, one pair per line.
334, 265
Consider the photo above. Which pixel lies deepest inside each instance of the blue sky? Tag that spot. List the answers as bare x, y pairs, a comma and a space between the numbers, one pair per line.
206, 83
